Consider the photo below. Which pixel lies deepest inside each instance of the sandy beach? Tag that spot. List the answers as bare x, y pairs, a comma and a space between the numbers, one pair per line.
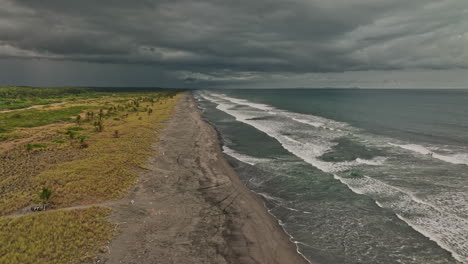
189, 205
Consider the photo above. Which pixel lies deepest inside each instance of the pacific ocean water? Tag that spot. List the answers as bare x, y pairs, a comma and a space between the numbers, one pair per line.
354, 175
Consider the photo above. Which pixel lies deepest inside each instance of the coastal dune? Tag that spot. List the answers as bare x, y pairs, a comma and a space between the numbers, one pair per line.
190, 206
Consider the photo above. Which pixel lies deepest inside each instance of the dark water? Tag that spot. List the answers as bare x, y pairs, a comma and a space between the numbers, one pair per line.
355, 176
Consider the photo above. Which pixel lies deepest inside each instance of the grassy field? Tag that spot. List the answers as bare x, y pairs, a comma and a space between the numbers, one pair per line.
84, 160
55, 237
86, 180
35, 117
21, 97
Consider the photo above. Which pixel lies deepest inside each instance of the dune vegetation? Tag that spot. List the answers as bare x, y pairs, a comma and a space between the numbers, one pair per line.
35, 117
55, 236
21, 97
86, 152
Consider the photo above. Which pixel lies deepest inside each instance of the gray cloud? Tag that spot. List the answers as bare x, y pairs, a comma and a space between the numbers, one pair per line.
213, 41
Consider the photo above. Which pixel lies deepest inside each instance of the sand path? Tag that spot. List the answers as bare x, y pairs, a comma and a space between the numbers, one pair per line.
191, 207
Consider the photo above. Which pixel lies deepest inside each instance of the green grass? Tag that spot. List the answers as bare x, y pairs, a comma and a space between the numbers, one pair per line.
21, 97
74, 169
33, 92
35, 117
76, 176
5, 137
86, 180
54, 236
35, 146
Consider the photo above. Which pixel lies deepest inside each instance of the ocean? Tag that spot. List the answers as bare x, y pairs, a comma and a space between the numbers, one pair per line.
354, 175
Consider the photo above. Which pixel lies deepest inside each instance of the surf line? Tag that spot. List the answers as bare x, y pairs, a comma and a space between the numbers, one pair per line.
454, 159
226, 107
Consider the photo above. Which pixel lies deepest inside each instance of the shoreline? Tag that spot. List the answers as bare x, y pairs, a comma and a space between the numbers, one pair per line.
190, 206
221, 144
256, 197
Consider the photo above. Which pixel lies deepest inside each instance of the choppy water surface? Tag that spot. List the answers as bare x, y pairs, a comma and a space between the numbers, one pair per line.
354, 176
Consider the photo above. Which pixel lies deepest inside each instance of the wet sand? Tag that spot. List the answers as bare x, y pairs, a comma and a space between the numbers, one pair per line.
189, 206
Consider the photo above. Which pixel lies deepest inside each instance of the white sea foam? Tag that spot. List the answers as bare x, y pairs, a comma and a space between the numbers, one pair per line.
453, 202
413, 147
311, 120
271, 198
291, 238
247, 103
308, 122
307, 148
459, 158
448, 230
242, 157
375, 161
433, 237
292, 209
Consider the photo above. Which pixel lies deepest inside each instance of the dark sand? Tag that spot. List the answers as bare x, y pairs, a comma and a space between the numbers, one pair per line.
191, 207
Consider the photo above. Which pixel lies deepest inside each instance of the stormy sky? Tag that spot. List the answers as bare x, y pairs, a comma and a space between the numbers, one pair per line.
243, 43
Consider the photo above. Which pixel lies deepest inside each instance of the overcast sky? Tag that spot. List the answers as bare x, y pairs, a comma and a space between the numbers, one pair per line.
242, 43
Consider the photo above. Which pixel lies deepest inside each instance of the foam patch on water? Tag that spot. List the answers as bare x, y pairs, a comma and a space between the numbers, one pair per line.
314, 121
271, 198
264, 107
453, 202
242, 157
374, 162
308, 122
445, 228
459, 158
308, 147
449, 231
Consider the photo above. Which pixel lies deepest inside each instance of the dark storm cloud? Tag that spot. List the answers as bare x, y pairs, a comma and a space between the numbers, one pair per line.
215, 40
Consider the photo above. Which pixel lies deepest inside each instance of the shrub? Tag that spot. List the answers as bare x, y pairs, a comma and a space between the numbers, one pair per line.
71, 134
33, 146
5, 137
76, 128
89, 116
43, 197
98, 125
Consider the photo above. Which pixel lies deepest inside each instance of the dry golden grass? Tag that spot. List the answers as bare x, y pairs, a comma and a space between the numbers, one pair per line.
18, 169
109, 167
104, 170
55, 236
